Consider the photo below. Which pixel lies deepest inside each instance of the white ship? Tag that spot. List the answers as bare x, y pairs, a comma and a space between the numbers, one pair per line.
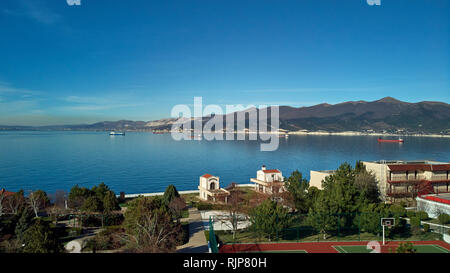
116, 133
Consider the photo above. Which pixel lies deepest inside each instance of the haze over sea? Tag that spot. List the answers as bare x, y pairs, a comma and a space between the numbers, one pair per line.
146, 162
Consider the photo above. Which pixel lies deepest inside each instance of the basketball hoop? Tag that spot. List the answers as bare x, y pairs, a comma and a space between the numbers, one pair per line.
387, 222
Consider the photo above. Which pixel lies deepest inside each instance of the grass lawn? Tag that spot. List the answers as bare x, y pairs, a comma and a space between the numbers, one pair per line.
190, 197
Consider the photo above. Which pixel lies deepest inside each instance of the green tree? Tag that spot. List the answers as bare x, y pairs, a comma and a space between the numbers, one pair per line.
406, 248
367, 185
100, 191
25, 221
40, 238
397, 212
77, 196
370, 218
92, 204
170, 194
297, 187
320, 216
110, 202
269, 218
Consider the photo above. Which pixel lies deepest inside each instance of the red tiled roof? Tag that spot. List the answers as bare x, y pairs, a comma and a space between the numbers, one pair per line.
207, 175
419, 167
271, 171
6, 193
441, 167
410, 167
437, 199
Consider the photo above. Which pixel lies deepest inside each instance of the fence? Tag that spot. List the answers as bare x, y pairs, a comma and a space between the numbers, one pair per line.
318, 227
212, 237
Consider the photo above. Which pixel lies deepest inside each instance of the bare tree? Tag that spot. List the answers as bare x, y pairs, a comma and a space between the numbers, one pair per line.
155, 232
235, 210
176, 206
37, 200
15, 201
59, 203
2, 202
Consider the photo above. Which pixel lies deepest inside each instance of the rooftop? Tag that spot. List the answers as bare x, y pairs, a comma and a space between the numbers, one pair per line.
325, 171
271, 171
5, 192
429, 162
422, 167
441, 198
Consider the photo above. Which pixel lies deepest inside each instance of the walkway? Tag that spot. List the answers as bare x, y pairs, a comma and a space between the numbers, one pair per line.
197, 241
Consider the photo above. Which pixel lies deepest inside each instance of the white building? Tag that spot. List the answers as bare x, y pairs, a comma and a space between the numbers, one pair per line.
268, 181
434, 204
316, 178
405, 179
209, 189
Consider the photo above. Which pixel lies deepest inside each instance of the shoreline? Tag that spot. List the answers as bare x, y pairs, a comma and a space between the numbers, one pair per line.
281, 132
352, 133
135, 195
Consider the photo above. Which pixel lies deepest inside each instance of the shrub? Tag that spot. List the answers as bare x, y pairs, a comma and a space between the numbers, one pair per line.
426, 227
410, 214
406, 248
204, 206
422, 215
415, 225
444, 218
398, 210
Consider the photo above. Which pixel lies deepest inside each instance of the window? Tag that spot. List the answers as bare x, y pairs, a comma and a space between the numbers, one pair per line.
212, 186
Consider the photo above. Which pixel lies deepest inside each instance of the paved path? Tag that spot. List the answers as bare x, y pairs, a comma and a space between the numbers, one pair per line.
197, 241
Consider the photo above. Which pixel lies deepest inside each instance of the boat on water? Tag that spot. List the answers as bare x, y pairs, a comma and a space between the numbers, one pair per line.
113, 133
399, 140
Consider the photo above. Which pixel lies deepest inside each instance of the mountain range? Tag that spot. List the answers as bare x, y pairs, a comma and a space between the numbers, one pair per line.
384, 115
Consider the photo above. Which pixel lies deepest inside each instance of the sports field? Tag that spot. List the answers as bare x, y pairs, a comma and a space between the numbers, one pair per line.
333, 247
365, 249
277, 251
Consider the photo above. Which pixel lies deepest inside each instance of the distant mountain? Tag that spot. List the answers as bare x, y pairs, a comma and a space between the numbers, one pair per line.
387, 114
384, 115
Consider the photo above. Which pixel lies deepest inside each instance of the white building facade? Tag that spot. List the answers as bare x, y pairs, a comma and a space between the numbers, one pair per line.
209, 189
404, 179
268, 181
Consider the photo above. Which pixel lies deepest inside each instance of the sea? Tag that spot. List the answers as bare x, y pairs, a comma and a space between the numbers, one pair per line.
142, 162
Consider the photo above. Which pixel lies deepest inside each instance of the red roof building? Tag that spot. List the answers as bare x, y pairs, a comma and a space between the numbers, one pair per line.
5, 192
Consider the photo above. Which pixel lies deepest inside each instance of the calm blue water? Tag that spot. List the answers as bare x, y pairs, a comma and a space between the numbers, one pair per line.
144, 162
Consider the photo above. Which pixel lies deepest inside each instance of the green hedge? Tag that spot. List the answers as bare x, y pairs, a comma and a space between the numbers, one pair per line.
444, 218
422, 215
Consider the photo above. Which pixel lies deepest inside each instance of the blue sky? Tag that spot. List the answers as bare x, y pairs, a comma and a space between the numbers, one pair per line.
110, 60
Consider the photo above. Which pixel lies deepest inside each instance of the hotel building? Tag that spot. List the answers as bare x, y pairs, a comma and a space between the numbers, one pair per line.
407, 179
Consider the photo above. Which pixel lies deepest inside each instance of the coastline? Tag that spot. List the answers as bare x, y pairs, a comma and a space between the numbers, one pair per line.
325, 133
135, 195
354, 133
